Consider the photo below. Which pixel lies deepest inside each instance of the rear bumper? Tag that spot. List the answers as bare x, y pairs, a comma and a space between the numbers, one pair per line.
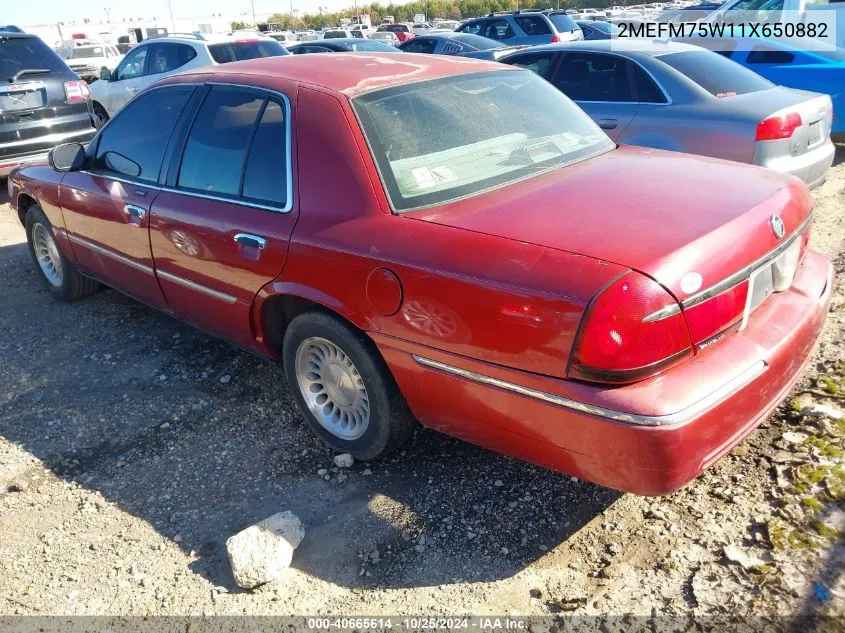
811, 167
679, 423
24, 155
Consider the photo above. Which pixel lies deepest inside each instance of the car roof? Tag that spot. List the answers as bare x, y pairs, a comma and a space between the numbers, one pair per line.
629, 47
348, 73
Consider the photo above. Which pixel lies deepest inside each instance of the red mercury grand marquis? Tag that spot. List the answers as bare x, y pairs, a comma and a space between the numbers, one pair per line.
451, 241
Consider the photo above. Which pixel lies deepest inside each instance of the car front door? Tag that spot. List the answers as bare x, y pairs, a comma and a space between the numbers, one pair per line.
601, 84
129, 77
106, 205
220, 228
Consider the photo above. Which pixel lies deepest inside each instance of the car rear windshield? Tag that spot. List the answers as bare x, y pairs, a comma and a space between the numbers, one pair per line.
250, 49
334, 34
563, 23
87, 51
440, 140
476, 41
371, 46
716, 74
27, 53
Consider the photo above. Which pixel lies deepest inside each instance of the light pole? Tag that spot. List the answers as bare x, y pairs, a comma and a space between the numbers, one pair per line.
254, 21
172, 21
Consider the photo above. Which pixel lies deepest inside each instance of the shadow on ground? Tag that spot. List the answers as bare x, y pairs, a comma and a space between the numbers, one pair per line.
201, 440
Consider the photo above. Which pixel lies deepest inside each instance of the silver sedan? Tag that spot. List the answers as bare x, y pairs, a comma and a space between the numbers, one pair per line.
679, 97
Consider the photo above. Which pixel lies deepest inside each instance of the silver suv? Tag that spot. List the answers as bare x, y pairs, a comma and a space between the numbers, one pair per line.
158, 57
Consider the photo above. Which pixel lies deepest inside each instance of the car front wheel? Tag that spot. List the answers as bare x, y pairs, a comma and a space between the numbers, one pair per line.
60, 276
343, 387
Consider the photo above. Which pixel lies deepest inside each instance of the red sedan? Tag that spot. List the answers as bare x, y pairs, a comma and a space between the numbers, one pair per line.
450, 241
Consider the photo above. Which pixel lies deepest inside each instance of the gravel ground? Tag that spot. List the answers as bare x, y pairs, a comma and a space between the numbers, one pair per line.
132, 446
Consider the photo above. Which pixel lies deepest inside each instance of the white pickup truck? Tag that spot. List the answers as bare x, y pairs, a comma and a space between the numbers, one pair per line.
774, 11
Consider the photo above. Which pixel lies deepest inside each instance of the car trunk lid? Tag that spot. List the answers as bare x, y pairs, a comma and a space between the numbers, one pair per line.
674, 217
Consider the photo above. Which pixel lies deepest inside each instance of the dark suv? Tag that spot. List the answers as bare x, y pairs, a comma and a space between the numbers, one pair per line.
42, 101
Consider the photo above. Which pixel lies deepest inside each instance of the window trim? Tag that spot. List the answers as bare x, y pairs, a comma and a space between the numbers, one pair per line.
629, 59
239, 200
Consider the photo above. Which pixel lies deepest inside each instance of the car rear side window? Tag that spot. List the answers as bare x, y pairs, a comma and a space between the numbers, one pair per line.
217, 145
533, 25
646, 89
265, 177
25, 53
716, 74
247, 49
134, 141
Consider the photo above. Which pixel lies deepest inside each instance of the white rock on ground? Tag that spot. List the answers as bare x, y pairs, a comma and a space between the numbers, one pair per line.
344, 460
262, 551
822, 411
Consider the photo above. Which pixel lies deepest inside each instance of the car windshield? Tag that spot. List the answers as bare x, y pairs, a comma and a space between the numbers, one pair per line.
334, 34
20, 53
87, 51
439, 140
245, 49
563, 23
716, 74
476, 41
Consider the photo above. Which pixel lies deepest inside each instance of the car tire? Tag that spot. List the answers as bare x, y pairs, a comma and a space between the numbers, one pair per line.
60, 276
101, 114
343, 387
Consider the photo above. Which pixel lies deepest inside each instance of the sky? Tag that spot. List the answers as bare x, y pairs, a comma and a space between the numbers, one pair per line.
52, 11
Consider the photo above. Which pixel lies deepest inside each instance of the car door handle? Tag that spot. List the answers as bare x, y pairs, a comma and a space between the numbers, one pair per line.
608, 124
134, 212
246, 239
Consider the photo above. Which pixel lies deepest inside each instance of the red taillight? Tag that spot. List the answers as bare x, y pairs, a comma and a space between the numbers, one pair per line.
76, 91
778, 127
555, 38
620, 340
717, 314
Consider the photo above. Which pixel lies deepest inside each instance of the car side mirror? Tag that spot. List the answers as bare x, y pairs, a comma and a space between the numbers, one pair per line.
121, 164
105, 74
67, 157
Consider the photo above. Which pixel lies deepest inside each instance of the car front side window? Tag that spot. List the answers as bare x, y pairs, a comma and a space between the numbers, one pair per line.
132, 144
134, 64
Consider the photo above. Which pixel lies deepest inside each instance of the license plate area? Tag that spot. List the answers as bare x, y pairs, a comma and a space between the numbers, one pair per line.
775, 276
814, 134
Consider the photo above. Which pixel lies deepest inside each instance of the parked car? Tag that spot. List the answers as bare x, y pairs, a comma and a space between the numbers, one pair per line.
517, 29
446, 25
460, 269
388, 37
42, 101
460, 44
283, 37
685, 98
159, 57
421, 28
401, 30
89, 61
597, 29
789, 63
342, 45
329, 34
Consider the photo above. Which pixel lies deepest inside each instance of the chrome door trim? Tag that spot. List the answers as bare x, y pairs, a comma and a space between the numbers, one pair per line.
187, 283
245, 238
684, 415
110, 253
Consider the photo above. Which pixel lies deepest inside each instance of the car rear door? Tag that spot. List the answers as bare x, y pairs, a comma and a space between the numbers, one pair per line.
220, 228
601, 84
106, 206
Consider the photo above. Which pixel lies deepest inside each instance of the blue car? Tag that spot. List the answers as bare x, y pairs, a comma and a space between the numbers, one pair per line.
522, 28
788, 64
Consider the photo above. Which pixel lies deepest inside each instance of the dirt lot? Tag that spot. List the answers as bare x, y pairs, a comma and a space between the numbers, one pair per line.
132, 447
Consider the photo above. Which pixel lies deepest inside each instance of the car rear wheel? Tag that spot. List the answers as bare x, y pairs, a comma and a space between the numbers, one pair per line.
343, 387
60, 276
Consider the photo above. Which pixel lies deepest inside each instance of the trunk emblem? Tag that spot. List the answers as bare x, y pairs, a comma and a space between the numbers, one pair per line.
778, 227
